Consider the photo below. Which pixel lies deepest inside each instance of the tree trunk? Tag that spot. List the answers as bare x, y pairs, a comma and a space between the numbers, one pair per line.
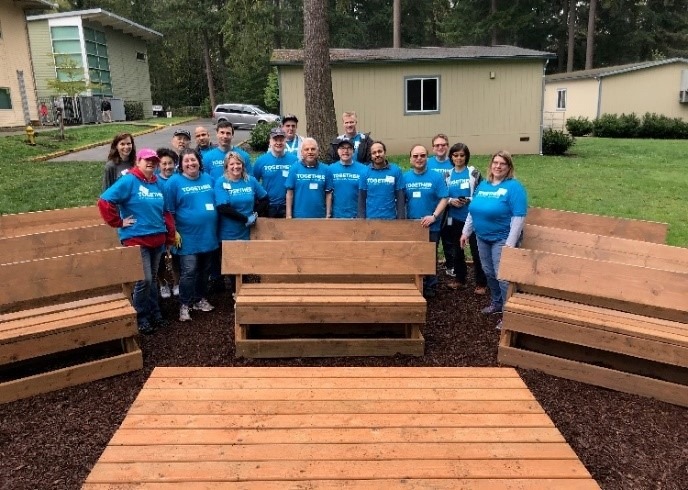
493, 11
590, 43
208, 70
320, 116
572, 35
397, 23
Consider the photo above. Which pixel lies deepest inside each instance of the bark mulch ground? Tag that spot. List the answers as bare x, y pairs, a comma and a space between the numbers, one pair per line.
625, 441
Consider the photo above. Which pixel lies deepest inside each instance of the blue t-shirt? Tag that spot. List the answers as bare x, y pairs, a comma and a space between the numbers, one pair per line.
144, 201
423, 193
345, 182
272, 172
442, 168
493, 206
241, 196
310, 185
459, 186
381, 186
192, 203
214, 161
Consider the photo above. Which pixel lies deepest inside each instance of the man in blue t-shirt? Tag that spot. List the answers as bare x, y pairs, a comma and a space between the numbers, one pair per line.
346, 175
292, 142
442, 164
381, 189
426, 198
272, 170
214, 160
309, 185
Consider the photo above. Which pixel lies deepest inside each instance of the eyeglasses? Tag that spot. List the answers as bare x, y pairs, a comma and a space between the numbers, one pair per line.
439, 145
421, 155
500, 164
457, 155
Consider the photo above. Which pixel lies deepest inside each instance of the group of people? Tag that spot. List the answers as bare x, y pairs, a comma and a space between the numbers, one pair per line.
182, 202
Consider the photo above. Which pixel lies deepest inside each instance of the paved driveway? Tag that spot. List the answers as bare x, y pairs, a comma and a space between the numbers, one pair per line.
151, 140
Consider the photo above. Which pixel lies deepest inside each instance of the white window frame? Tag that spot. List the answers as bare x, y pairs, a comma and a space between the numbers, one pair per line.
561, 99
423, 79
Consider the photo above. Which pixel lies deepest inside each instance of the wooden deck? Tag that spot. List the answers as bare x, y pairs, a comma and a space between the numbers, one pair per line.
337, 428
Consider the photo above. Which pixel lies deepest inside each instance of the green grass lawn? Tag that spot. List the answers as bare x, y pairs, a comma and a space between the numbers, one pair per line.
641, 179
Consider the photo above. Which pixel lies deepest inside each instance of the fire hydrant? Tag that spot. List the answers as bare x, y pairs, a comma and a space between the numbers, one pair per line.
30, 136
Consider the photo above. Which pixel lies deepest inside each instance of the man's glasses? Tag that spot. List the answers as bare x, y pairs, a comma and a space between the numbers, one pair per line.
440, 145
419, 155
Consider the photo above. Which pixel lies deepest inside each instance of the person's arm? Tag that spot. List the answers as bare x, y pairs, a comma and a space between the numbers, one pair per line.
515, 230
109, 176
228, 211
262, 206
110, 213
427, 221
362, 196
401, 204
328, 205
290, 203
467, 231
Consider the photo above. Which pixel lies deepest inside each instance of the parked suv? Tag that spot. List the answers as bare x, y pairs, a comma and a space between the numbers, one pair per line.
242, 115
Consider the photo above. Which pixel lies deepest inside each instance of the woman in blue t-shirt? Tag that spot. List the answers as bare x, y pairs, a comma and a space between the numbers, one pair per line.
190, 198
497, 214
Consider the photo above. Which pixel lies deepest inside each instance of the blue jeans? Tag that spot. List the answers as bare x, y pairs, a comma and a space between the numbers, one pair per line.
490, 257
193, 279
145, 298
430, 282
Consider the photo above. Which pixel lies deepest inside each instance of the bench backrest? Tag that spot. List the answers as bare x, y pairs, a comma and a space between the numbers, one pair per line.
600, 247
56, 243
339, 229
56, 276
631, 288
325, 258
648, 231
55, 219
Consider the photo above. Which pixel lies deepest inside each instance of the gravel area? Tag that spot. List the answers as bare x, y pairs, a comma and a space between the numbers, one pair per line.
625, 441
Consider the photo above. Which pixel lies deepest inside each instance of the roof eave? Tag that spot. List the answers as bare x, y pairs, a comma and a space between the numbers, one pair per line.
416, 60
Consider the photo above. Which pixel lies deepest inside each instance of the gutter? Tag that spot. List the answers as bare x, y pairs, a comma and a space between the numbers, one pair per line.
542, 106
599, 96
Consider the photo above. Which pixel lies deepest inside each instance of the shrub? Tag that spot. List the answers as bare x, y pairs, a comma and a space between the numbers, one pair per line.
556, 142
260, 136
615, 126
133, 111
579, 126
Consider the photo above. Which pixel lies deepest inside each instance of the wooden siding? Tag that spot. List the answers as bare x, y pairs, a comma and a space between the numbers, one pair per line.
14, 55
486, 114
41, 54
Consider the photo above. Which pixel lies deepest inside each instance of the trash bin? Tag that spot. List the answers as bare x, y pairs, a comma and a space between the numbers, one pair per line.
169, 114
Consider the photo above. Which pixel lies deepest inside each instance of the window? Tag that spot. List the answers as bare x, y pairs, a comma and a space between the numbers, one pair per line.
5, 98
140, 56
98, 62
561, 99
422, 95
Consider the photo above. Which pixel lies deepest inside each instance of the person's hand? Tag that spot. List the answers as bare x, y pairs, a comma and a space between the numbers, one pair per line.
177, 240
128, 221
251, 220
427, 221
463, 241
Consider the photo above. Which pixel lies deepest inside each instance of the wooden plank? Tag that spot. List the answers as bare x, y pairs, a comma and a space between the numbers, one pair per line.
21, 281
61, 307
266, 348
329, 289
595, 375
648, 231
358, 230
393, 311
23, 223
339, 279
600, 247
56, 243
327, 257
652, 287
70, 376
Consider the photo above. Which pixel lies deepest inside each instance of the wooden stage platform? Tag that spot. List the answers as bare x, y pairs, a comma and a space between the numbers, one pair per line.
337, 428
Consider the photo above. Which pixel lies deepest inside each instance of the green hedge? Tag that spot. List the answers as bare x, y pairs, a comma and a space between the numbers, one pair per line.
579, 126
133, 111
260, 136
651, 125
556, 142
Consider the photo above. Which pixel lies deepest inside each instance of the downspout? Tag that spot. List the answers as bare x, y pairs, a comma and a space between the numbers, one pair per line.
599, 96
542, 106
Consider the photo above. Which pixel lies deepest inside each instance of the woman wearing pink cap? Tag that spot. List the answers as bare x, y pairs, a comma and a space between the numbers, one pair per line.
134, 205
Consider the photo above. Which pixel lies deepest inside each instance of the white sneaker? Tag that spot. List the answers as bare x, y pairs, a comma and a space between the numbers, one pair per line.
450, 272
175, 290
165, 291
184, 315
203, 305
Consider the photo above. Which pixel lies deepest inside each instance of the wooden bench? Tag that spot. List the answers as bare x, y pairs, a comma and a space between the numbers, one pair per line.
649, 231
326, 317
65, 341
627, 331
55, 219
337, 428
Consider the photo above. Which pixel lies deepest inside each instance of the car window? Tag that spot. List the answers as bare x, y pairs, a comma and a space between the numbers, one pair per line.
221, 109
234, 110
259, 110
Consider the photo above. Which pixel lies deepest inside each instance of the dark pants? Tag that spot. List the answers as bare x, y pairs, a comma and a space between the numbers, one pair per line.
454, 231
277, 211
430, 282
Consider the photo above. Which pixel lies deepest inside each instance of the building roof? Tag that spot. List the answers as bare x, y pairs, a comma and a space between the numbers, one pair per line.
407, 55
107, 19
612, 70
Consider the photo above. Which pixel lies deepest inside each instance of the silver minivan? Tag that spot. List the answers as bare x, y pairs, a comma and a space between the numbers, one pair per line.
242, 115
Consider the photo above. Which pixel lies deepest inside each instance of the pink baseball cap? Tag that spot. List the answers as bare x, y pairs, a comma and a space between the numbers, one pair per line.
147, 154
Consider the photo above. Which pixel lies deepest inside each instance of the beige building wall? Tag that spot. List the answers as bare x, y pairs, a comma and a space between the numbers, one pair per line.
651, 90
581, 99
14, 55
487, 114
42, 54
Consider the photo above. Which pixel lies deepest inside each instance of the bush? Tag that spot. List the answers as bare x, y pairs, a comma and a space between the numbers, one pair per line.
133, 111
556, 142
615, 126
578, 126
188, 111
260, 136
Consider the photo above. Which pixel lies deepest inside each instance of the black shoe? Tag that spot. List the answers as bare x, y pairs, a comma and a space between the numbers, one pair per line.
159, 323
146, 328
429, 293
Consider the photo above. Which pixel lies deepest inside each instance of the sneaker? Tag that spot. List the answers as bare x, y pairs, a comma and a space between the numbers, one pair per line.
480, 290
450, 272
159, 323
203, 305
175, 290
184, 315
165, 291
499, 325
145, 328
429, 293
491, 310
